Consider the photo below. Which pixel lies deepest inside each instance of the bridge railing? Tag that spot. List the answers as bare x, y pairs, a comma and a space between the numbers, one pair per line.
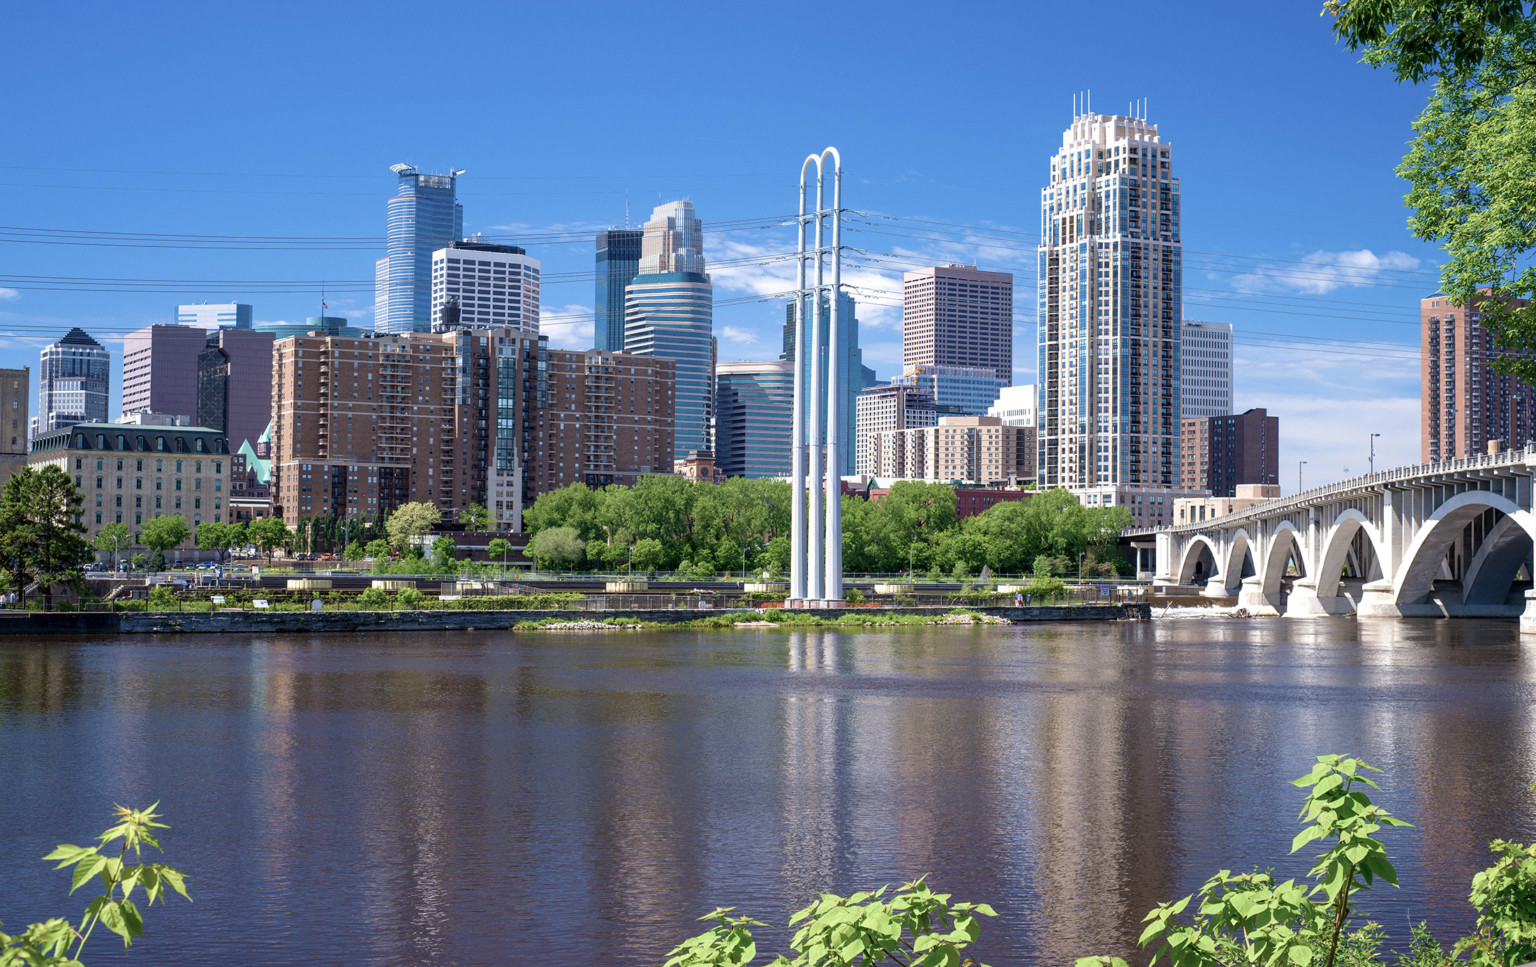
1362, 482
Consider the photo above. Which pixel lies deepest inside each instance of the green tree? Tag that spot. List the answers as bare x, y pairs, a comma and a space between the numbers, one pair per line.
161, 534
1469, 161
59, 943
112, 538
373, 599
498, 549
377, 549
409, 521
475, 517
443, 550
41, 537
649, 555
557, 545
352, 552
268, 534
213, 536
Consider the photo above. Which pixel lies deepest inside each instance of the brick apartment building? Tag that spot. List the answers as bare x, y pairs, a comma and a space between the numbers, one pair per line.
1465, 403
490, 416
967, 449
1220, 453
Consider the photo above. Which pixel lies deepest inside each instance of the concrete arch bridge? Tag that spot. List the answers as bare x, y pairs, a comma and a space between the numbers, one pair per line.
1444, 539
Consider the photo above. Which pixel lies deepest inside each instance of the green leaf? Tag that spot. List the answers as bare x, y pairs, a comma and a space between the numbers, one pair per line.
1299, 955
86, 869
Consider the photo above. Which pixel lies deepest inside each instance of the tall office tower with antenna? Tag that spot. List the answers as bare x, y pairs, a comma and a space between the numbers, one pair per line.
669, 312
1110, 289
424, 216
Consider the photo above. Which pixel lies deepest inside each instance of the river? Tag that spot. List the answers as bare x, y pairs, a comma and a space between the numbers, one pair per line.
491, 798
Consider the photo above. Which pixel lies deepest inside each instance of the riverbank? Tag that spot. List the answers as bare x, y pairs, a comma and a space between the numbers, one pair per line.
265, 622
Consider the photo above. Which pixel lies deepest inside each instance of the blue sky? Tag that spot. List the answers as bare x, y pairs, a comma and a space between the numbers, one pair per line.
279, 122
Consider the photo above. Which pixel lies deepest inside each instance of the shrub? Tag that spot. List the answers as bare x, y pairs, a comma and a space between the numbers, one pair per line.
410, 598
373, 599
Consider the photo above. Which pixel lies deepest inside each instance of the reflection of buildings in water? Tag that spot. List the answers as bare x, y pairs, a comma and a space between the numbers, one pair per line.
812, 778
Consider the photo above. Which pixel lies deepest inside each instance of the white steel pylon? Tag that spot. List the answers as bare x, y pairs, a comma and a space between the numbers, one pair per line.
816, 515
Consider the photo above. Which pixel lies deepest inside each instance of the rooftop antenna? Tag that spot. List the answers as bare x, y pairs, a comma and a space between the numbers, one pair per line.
626, 209
1090, 102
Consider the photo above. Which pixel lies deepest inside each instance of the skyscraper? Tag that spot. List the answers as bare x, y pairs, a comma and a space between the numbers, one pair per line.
235, 384
852, 375
1205, 369
221, 315
1222, 453
159, 370
424, 216
669, 312
1110, 291
74, 383
1465, 402
969, 389
753, 406
956, 315
618, 259
477, 285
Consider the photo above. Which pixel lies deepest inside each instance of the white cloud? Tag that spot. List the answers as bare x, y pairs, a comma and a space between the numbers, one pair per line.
736, 334
1312, 392
568, 327
1322, 272
9, 294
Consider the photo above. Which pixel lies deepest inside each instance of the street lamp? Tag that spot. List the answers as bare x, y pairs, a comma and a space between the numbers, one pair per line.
1299, 465
1373, 452
911, 553
629, 569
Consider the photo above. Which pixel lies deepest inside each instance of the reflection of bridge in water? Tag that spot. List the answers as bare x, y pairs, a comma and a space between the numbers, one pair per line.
1451, 538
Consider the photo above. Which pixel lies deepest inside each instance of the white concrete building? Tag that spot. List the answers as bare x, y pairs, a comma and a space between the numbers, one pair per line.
883, 408
477, 285
1015, 405
1205, 369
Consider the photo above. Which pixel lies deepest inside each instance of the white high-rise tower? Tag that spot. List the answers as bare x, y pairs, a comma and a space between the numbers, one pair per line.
1110, 291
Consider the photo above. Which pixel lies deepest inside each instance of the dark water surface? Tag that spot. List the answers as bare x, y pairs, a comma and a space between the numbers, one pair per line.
485, 798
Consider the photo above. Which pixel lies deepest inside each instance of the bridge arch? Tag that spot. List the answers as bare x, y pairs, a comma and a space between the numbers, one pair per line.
1495, 567
1341, 537
1421, 564
1200, 549
1239, 561
1284, 544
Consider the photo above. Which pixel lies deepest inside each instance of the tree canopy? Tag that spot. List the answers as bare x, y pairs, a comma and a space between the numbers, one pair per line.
411, 520
1469, 161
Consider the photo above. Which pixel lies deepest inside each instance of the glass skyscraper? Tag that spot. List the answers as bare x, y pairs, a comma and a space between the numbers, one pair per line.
74, 384
852, 375
424, 216
669, 312
753, 404
618, 259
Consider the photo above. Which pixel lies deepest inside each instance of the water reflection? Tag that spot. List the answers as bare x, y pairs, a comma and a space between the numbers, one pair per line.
484, 798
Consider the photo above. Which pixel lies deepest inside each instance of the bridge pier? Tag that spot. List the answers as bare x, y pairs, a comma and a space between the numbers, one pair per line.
1376, 600
1253, 599
1216, 587
1528, 616
1304, 602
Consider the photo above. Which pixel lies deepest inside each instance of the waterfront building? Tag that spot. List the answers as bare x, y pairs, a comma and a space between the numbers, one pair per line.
958, 315
959, 449
15, 397
494, 417
618, 260
141, 467
1221, 453
1205, 369
1109, 335
852, 375
669, 314
74, 383
890, 406
424, 216
222, 315
1193, 510
477, 285
1150, 507
1465, 403
754, 404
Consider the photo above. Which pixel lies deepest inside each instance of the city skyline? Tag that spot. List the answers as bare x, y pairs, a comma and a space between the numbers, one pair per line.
1293, 259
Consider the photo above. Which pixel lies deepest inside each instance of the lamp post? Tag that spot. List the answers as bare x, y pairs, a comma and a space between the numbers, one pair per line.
1373, 452
1299, 465
629, 569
